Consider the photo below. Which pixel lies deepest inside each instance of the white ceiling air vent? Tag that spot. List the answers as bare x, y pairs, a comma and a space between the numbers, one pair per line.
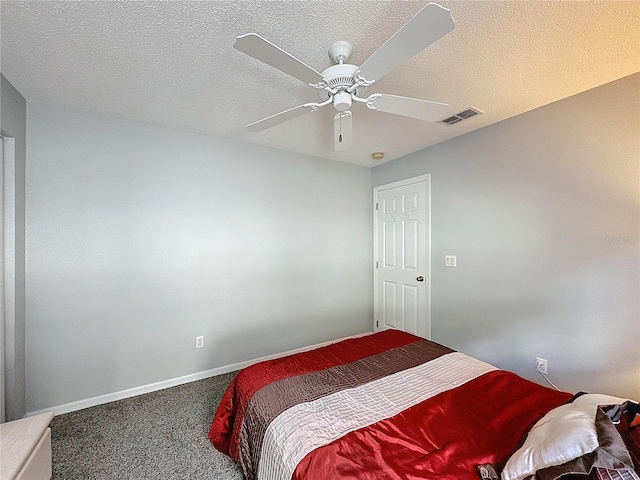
458, 117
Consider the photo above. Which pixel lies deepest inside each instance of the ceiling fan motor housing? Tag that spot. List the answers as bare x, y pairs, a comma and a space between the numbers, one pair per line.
338, 77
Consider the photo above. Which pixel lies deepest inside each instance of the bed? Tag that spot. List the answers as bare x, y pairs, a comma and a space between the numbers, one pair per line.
391, 405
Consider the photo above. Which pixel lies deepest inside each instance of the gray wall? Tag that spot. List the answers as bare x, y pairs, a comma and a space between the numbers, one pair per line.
140, 238
13, 124
543, 213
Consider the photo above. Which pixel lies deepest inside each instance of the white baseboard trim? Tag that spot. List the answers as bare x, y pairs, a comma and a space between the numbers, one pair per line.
152, 387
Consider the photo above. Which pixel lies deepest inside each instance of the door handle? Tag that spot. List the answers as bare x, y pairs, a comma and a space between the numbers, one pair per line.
420, 278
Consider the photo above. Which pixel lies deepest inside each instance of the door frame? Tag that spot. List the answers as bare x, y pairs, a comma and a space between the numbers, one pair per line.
427, 208
2, 299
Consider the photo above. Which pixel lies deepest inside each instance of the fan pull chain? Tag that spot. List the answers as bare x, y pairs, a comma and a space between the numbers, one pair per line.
340, 136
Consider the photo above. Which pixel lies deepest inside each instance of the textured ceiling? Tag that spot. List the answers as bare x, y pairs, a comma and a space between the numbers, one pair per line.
173, 63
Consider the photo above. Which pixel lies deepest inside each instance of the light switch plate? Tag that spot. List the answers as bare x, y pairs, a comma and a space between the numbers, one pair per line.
449, 260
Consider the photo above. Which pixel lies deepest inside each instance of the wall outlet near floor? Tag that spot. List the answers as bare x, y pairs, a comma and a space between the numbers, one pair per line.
541, 365
199, 341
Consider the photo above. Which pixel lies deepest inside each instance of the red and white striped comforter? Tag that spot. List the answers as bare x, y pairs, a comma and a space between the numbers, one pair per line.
385, 406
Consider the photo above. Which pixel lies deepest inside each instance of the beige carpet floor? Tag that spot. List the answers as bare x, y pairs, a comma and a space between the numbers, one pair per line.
160, 435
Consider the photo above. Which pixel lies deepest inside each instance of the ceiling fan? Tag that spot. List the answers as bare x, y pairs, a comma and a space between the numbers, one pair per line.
338, 85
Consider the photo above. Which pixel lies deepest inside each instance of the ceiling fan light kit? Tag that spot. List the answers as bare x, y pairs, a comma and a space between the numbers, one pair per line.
338, 85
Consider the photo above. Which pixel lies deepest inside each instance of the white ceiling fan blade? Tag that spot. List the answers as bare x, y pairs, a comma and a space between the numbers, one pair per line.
409, 107
342, 131
428, 25
257, 47
282, 117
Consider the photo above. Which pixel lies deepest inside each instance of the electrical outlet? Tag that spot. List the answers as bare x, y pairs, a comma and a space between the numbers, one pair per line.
541, 365
199, 341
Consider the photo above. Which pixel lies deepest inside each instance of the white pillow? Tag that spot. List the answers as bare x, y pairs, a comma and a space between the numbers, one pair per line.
565, 433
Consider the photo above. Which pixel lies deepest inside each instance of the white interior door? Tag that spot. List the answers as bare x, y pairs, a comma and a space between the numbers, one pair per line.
402, 273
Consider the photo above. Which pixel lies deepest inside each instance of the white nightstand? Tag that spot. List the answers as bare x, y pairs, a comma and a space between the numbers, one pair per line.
25, 448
